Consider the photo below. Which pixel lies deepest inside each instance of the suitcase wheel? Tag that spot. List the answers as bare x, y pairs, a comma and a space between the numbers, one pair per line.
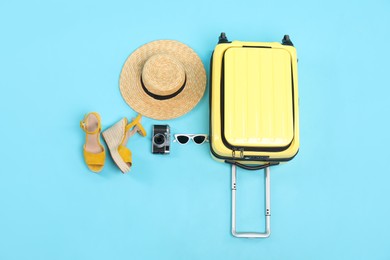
222, 38
286, 40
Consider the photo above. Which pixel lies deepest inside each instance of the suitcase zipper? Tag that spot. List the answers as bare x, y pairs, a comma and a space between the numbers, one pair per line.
241, 150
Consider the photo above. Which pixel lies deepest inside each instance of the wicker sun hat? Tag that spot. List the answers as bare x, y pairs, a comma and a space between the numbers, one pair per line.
163, 79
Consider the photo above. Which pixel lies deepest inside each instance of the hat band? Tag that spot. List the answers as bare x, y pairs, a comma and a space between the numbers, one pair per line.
161, 97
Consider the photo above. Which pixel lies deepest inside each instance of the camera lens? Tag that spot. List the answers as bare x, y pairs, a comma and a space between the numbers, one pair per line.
159, 140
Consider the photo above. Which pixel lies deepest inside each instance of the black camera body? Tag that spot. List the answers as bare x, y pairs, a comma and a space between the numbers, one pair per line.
161, 139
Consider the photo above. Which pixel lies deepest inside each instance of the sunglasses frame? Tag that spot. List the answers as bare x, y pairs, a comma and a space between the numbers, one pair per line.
191, 137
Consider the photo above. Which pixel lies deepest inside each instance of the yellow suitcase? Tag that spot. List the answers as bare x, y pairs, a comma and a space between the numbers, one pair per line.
254, 119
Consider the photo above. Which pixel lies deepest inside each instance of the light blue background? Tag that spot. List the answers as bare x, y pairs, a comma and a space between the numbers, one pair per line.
59, 60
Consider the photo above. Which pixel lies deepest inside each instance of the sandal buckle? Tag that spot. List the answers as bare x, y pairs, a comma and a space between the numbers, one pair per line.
83, 125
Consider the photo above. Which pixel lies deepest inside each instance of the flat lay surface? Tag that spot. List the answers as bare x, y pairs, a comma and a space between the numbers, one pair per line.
61, 60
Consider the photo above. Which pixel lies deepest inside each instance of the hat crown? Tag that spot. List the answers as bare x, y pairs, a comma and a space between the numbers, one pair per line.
163, 75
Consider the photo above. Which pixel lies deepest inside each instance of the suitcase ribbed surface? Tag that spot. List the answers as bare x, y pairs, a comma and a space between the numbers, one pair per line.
258, 97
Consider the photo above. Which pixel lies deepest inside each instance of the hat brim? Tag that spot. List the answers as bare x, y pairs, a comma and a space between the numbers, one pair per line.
135, 96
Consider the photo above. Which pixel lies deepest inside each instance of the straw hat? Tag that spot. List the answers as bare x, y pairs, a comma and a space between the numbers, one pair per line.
163, 79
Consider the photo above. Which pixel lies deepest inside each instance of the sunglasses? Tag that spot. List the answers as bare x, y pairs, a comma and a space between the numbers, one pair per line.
185, 138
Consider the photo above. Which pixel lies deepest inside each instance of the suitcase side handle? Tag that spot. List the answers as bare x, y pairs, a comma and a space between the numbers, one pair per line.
251, 167
267, 232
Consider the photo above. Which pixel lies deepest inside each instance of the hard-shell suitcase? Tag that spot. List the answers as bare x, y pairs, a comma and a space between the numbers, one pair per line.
254, 119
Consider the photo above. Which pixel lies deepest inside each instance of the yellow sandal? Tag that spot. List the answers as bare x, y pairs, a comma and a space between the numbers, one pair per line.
93, 150
116, 138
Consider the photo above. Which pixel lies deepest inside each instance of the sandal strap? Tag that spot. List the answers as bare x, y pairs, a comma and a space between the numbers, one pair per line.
125, 153
94, 158
84, 126
136, 123
133, 123
141, 130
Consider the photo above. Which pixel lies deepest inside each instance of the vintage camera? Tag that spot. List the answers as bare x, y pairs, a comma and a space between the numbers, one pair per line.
161, 139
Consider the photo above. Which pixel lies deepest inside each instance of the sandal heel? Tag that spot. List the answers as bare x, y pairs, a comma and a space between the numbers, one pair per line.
113, 137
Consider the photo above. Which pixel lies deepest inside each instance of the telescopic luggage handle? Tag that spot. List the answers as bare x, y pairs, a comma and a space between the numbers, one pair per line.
267, 206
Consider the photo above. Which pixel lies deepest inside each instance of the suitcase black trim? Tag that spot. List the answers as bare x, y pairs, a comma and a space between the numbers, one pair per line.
251, 158
247, 46
250, 148
225, 158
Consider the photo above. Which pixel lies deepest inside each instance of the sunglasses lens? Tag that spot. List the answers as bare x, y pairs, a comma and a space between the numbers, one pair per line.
199, 139
182, 139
